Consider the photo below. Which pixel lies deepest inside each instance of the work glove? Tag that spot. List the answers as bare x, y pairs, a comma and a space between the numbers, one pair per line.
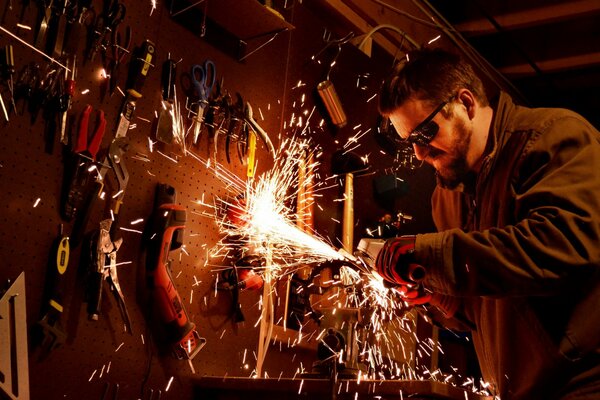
396, 262
396, 265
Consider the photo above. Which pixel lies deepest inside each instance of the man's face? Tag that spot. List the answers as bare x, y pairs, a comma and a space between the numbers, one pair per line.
448, 150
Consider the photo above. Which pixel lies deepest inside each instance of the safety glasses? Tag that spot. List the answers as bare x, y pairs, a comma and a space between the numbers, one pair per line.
424, 133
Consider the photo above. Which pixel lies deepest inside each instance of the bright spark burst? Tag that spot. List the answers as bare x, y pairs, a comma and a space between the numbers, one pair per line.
267, 221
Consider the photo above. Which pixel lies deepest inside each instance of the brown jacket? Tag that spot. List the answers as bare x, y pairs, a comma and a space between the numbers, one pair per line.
522, 254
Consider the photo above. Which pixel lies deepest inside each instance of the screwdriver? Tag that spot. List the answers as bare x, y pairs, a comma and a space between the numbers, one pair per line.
65, 101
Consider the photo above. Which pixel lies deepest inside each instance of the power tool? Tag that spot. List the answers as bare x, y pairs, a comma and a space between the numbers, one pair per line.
165, 235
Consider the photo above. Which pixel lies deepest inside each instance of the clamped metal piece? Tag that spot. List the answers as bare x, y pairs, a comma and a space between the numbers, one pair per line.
103, 255
166, 234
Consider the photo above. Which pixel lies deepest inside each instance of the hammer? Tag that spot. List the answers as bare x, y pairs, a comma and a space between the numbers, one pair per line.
350, 165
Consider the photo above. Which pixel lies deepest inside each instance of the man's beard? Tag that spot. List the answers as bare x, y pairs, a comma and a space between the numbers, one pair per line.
457, 171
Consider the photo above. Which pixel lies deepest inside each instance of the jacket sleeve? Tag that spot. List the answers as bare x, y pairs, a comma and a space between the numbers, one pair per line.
555, 241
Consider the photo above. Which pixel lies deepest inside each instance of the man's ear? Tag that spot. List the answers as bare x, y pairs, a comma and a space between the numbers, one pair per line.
466, 97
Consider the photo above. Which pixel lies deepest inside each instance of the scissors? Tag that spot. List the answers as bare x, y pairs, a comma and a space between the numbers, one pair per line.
203, 78
107, 22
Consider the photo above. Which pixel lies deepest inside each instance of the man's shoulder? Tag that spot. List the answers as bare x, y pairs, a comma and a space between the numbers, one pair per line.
543, 120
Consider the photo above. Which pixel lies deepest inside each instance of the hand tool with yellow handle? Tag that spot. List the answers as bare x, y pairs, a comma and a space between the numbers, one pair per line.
50, 327
164, 235
251, 160
139, 67
259, 130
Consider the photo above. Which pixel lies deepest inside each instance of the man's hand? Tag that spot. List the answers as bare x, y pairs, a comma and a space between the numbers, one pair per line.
396, 262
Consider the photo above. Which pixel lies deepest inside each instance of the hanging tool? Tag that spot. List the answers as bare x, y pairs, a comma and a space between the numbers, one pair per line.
114, 161
259, 130
107, 22
251, 155
65, 99
203, 77
60, 20
217, 115
236, 127
84, 165
14, 364
50, 95
139, 69
43, 93
164, 235
164, 125
40, 38
29, 79
50, 324
103, 256
7, 70
113, 56
82, 18
115, 392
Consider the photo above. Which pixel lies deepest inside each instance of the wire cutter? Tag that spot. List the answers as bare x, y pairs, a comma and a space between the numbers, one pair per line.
237, 129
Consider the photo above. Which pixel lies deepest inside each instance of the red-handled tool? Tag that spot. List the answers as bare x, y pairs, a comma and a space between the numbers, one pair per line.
166, 235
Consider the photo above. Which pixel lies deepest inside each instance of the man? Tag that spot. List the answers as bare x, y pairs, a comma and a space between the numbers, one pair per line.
517, 206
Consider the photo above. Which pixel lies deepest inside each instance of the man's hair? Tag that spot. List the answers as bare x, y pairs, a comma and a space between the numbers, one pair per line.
432, 75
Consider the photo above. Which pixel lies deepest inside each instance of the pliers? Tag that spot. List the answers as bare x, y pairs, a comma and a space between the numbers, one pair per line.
259, 130
119, 51
103, 254
236, 128
85, 146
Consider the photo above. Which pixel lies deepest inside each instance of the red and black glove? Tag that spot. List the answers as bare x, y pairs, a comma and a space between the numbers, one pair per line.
396, 262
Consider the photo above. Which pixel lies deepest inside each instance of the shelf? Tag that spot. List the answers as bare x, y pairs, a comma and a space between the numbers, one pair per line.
241, 20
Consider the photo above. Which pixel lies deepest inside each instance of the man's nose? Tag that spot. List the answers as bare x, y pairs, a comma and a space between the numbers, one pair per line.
420, 151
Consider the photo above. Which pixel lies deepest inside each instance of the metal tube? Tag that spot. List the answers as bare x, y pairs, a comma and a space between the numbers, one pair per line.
332, 103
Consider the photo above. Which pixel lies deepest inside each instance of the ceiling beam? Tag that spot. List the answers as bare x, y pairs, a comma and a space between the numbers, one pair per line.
531, 17
554, 65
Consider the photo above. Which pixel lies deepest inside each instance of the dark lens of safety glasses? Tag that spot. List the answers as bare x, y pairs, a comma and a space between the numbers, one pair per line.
424, 133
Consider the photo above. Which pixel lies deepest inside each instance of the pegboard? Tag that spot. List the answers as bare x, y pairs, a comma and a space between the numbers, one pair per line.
98, 355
